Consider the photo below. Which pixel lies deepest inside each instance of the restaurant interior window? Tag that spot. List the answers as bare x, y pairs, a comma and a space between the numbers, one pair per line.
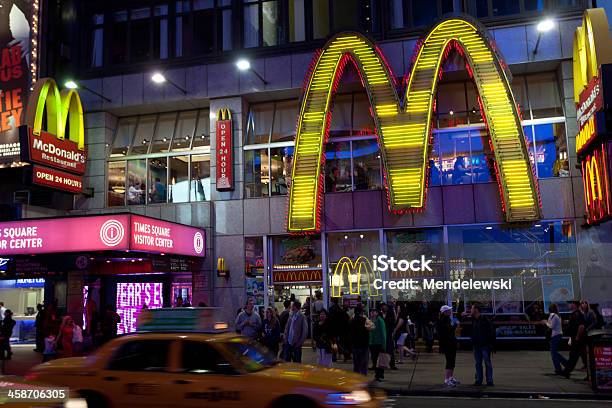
200, 177
320, 19
551, 150
123, 136
97, 41
481, 157
116, 183
272, 27
338, 172
185, 127
256, 173
164, 132
204, 26
201, 137
158, 180
259, 123
182, 28
366, 165
251, 24
119, 37
160, 31
434, 163
178, 188
140, 34
136, 182
284, 121
455, 157
544, 97
341, 122
281, 159
144, 132
297, 22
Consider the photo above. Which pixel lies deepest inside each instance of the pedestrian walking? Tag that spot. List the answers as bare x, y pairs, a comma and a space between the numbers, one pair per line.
388, 314
576, 330
448, 344
483, 343
39, 324
324, 341
590, 323
6, 331
378, 343
248, 321
64, 340
556, 336
296, 332
360, 340
271, 331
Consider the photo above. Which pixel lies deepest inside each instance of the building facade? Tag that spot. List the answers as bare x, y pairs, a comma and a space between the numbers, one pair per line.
153, 149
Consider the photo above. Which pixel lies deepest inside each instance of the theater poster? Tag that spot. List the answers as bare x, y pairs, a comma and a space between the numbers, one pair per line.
16, 33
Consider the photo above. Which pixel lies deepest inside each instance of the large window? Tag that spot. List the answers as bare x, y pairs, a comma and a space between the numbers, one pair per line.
160, 158
501, 8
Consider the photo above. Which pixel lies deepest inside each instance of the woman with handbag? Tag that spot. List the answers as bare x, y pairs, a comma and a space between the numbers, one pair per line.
64, 340
378, 342
324, 340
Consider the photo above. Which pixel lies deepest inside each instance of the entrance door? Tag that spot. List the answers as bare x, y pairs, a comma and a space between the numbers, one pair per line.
305, 293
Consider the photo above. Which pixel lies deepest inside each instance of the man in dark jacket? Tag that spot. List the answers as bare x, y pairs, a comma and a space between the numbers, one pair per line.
576, 330
360, 340
388, 314
483, 341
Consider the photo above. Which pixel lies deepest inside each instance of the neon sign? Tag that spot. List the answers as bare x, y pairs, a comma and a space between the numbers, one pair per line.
354, 271
132, 297
404, 127
596, 179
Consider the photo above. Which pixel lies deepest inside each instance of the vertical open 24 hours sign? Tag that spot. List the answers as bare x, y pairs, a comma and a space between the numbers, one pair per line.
225, 163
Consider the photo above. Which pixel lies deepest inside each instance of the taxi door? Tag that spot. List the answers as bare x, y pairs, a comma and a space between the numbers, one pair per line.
204, 378
137, 374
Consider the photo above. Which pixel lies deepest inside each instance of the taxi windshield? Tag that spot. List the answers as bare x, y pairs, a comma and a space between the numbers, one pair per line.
253, 356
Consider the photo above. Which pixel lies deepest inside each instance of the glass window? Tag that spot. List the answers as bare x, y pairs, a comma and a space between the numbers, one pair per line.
297, 23
411, 244
202, 131
544, 96
455, 153
346, 15
160, 35
184, 130
256, 173
338, 167
158, 180
505, 7
254, 256
163, 133
259, 123
182, 39
435, 166
201, 358
366, 165
398, 11
97, 41
137, 176
363, 123
320, 19
549, 146
200, 177
116, 184
251, 25
341, 116
473, 107
451, 107
144, 134
424, 12
481, 159
284, 121
123, 136
141, 355
119, 37
140, 35
272, 27
281, 159
203, 27
178, 188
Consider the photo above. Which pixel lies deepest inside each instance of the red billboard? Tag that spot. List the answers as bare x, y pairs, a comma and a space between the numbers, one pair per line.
50, 151
57, 179
121, 232
225, 172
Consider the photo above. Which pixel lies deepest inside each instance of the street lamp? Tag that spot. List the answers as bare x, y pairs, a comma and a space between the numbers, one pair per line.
245, 65
72, 84
159, 78
543, 26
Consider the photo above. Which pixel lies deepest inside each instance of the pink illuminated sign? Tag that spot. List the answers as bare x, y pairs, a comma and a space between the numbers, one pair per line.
131, 298
100, 233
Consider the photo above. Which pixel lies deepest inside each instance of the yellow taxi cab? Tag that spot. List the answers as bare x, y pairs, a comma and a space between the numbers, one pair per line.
181, 358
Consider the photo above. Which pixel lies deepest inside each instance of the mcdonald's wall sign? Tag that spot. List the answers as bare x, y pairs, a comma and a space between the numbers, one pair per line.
404, 125
57, 152
592, 93
225, 163
309, 275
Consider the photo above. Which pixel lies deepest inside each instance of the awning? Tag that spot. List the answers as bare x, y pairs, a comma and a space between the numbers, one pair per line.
117, 232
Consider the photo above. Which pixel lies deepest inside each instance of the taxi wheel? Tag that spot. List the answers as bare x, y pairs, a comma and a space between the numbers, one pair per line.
294, 401
94, 399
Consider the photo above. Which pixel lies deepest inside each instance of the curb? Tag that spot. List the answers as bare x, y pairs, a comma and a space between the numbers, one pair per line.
499, 394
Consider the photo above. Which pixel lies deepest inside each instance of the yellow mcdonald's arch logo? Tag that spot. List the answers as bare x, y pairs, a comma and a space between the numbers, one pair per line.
224, 114
62, 108
404, 126
592, 47
357, 268
593, 185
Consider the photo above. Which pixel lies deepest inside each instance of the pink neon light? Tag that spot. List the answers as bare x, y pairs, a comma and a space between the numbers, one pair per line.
131, 297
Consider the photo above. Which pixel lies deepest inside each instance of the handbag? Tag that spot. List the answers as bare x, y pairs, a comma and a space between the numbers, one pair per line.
383, 361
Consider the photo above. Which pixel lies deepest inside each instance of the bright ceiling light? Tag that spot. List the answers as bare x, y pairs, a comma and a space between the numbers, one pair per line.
545, 25
243, 64
70, 84
158, 78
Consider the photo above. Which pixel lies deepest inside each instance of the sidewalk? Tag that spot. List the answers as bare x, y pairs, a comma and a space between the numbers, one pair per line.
526, 374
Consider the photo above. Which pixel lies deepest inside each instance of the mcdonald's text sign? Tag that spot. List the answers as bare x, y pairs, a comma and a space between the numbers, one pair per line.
225, 163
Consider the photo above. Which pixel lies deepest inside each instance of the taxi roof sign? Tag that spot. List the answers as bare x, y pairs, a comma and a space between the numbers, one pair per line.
182, 319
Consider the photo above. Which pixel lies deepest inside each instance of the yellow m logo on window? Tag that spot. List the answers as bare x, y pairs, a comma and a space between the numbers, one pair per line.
354, 271
403, 126
62, 109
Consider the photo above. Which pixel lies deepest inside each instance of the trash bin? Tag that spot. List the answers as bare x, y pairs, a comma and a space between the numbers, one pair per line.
600, 360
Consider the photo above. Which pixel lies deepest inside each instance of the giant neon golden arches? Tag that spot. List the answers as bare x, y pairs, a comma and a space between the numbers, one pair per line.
404, 129
62, 108
346, 264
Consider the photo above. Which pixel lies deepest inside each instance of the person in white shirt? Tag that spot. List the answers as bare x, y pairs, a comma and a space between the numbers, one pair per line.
2, 310
556, 336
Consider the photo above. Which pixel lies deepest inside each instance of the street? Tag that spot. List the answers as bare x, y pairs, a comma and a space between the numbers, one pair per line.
444, 402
